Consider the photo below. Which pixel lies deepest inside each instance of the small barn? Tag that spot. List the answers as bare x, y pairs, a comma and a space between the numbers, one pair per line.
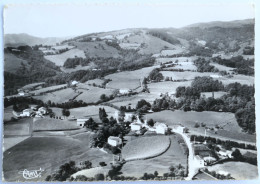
135, 126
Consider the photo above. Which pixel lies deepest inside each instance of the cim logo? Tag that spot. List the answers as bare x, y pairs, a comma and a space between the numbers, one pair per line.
31, 174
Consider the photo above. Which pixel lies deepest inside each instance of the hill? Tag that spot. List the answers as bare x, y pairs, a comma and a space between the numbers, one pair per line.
15, 40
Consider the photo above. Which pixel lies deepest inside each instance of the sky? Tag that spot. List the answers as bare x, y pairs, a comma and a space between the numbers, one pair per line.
73, 20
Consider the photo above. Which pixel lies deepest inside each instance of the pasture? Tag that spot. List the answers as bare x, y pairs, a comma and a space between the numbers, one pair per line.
95, 81
141, 148
91, 172
222, 67
227, 121
129, 45
238, 170
43, 124
59, 96
92, 94
242, 79
17, 128
59, 59
86, 112
186, 75
47, 89
176, 50
49, 153
128, 79
8, 113
173, 156
79, 67
97, 49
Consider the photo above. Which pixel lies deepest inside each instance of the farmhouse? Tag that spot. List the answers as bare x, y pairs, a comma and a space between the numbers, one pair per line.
135, 126
42, 110
81, 122
26, 113
225, 153
114, 141
125, 91
74, 83
202, 150
160, 128
200, 161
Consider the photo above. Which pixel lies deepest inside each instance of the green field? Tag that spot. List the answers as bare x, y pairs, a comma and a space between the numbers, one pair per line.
238, 170
86, 112
49, 153
92, 94
128, 79
145, 147
230, 130
173, 156
59, 59
53, 124
59, 96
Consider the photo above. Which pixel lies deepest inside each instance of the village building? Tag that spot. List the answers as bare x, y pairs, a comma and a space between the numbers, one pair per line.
225, 153
74, 83
81, 122
135, 126
42, 110
26, 113
114, 141
160, 128
200, 161
124, 91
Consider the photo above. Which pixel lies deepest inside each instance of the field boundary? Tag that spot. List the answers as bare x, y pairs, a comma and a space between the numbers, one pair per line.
153, 156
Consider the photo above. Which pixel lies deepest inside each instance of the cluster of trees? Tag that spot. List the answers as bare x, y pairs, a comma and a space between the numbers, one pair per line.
36, 69
164, 36
241, 65
155, 75
163, 104
239, 157
249, 50
219, 176
204, 66
143, 106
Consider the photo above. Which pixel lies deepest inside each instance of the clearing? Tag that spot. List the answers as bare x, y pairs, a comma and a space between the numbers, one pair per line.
59, 59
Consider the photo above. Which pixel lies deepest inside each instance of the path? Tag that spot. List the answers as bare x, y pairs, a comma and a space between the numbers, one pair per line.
191, 160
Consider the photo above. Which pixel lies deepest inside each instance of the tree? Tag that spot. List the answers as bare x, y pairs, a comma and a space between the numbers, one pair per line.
237, 155
102, 164
150, 122
103, 97
156, 173
99, 177
65, 112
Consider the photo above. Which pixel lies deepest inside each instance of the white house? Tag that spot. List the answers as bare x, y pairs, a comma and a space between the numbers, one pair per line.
21, 93
26, 113
42, 110
114, 141
225, 153
135, 126
81, 122
124, 91
200, 161
74, 83
160, 128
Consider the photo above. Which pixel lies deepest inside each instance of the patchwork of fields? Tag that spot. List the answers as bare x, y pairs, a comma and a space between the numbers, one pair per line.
230, 130
59, 59
173, 156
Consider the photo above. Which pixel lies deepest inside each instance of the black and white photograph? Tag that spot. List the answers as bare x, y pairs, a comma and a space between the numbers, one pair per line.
128, 92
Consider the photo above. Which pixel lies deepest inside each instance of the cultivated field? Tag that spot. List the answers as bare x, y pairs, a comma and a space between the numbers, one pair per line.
49, 153
163, 87
129, 45
242, 79
173, 156
47, 89
238, 170
188, 75
97, 49
230, 130
93, 94
128, 79
86, 112
17, 128
42, 124
176, 50
59, 59
145, 147
59, 96
221, 67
